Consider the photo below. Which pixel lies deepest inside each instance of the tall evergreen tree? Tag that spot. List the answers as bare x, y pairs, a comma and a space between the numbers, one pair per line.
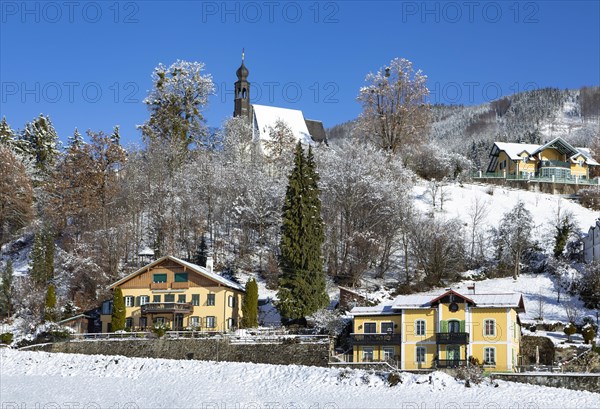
7, 289
250, 305
40, 141
301, 283
49, 254
201, 253
7, 135
37, 267
50, 307
41, 265
118, 314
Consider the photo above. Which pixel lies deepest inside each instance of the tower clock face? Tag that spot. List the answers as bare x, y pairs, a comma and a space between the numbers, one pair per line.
453, 307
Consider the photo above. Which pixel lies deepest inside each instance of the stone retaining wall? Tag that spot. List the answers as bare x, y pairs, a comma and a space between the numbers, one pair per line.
579, 382
285, 353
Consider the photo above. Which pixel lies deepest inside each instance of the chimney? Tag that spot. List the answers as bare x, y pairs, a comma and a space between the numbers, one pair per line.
209, 263
471, 288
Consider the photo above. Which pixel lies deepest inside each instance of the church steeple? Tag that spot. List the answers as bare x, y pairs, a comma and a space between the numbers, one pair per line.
242, 105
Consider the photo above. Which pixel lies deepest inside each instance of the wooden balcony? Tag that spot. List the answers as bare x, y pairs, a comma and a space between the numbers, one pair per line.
180, 285
167, 307
159, 286
457, 338
375, 339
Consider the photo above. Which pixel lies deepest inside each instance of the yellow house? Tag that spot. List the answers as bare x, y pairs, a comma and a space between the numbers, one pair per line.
427, 331
178, 294
556, 159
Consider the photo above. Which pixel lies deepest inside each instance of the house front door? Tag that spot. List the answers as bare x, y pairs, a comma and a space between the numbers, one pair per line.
178, 323
453, 354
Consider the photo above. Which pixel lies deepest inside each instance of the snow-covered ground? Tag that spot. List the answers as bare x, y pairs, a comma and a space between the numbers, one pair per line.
39, 379
543, 207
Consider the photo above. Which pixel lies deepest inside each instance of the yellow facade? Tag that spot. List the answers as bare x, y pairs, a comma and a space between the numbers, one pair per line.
180, 296
557, 158
448, 331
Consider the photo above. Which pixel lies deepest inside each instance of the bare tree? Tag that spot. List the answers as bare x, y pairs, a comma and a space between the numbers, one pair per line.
395, 112
478, 213
513, 237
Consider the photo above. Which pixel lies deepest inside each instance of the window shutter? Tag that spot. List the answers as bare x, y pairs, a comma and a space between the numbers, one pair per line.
462, 326
444, 326
137, 301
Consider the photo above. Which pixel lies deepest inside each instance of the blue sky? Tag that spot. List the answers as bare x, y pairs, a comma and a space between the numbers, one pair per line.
87, 64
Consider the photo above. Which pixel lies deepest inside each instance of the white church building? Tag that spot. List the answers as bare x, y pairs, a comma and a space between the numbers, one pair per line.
263, 117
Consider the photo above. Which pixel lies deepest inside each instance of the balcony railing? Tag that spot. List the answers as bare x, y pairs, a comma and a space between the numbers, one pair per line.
450, 363
180, 285
167, 307
375, 339
159, 286
555, 164
452, 338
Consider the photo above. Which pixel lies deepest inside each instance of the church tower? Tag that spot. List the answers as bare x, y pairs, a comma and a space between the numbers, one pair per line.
242, 105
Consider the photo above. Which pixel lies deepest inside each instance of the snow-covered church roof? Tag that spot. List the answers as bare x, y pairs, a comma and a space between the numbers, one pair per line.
265, 117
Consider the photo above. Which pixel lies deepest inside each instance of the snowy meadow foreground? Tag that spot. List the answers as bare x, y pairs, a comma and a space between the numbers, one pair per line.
44, 380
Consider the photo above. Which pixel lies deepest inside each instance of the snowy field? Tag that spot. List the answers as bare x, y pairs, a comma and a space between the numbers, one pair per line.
43, 380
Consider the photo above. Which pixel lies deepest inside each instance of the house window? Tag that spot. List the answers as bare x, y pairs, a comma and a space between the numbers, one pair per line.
388, 353
144, 299
231, 301
169, 297
181, 298
367, 355
159, 278
230, 323
143, 322
129, 300
156, 298
196, 299
107, 307
210, 322
210, 300
181, 277
128, 322
420, 327
159, 321
194, 322
489, 328
420, 354
370, 327
454, 326
387, 327
489, 356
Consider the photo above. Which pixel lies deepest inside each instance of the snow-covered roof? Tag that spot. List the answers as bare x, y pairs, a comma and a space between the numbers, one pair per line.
209, 274
266, 116
146, 251
194, 267
507, 300
416, 301
514, 150
413, 301
381, 309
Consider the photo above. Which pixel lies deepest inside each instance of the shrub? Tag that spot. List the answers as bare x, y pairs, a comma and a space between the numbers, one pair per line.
570, 329
472, 373
160, 329
6, 338
588, 333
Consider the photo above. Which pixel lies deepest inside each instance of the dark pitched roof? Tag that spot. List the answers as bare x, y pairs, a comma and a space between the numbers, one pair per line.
316, 130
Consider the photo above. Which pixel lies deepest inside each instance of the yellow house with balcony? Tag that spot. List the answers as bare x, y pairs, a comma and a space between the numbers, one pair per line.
448, 330
178, 294
557, 160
